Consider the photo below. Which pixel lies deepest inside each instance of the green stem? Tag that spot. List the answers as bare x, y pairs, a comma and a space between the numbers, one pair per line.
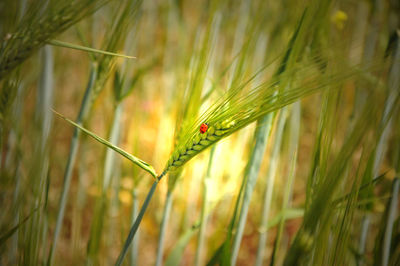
135, 226
85, 107
43, 121
110, 154
394, 81
163, 227
203, 215
135, 245
390, 222
253, 166
293, 147
269, 186
109, 165
16, 213
386, 127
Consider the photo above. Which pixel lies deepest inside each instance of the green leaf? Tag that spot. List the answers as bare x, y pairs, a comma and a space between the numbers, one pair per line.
222, 255
86, 49
145, 166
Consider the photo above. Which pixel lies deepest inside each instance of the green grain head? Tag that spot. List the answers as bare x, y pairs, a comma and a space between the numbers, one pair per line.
115, 39
242, 105
42, 21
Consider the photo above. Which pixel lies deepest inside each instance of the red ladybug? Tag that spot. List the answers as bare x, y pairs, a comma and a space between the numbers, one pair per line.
203, 128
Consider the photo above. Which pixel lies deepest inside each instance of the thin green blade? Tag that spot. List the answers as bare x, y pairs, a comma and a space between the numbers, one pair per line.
87, 49
10, 232
145, 166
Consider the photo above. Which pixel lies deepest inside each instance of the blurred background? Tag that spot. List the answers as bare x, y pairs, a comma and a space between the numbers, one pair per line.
67, 199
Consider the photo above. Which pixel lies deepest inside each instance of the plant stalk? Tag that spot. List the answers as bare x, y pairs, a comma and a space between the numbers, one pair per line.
109, 165
293, 147
390, 222
257, 155
135, 226
269, 186
203, 216
85, 107
163, 227
135, 246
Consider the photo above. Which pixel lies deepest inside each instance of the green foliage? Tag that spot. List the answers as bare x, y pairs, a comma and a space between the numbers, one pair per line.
301, 96
145, 166
236, 111
9, 233
113, 41
8, 92
41, 22
86, 49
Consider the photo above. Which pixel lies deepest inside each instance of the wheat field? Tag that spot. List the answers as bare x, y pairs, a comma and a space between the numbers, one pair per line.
184, 132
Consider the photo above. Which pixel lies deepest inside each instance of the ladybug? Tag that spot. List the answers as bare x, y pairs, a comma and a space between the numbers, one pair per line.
203, 128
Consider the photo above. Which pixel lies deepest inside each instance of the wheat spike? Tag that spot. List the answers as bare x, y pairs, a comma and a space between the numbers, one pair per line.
116, 36
240, 107
38, 27
199, 143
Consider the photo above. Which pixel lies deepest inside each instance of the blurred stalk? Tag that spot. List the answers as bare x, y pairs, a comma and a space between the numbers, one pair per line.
163, 227
114, 139
114, 210
85, 107
138, 220
12, 157
371, 41
394, 87
109, 163
293, 148
133, 259
293, 52
203, 215
39, 170
45, 97
390, 222
253, 167
45, 104
363, 236
272, 170
14, 136
239, 45
261, 136
320, 206
327, 123
43, 237
16, 195
22, 10
123, 31
385, 129
79, 204
369, 51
